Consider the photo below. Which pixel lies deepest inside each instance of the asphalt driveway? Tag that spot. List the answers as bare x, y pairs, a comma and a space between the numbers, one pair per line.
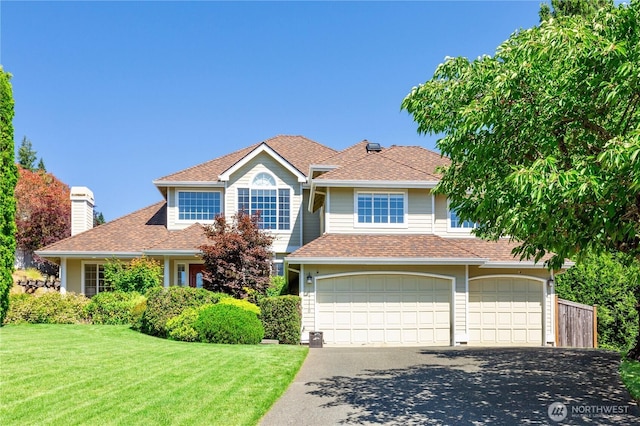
411, 386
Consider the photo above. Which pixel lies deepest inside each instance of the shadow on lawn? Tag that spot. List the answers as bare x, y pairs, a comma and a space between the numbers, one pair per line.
477, 386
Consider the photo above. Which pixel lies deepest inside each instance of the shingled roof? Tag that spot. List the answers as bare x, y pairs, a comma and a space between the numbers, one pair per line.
299, 151
135, 234
397, 163
403, 248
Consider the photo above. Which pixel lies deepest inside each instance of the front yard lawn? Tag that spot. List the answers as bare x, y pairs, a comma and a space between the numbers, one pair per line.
630, 374
90, 374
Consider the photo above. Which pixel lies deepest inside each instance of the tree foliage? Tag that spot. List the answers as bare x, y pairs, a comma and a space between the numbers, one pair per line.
611, 282
238, 260
139, 275
27, 155
8, 179
544, 136
572, 8
43, 210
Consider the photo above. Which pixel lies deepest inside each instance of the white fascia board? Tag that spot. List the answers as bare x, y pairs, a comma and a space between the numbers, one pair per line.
514, 265
376, 183
88, 254
382, 261
226, 175
185, 183
172, 252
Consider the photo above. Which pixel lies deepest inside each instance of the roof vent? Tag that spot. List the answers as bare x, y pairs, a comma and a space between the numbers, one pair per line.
373, 147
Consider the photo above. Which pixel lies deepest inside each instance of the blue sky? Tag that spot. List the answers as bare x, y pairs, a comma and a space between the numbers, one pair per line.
116, 94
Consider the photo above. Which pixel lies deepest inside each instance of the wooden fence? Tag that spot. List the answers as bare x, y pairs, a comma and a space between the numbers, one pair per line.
576, 325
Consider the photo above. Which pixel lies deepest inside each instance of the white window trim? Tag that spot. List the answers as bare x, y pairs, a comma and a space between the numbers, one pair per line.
455, 229
178, 191
83, 274
403, 225
278, 186
186, 274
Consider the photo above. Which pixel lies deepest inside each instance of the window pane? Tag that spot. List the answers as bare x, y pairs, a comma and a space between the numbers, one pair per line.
457, 223
243, 200
182, 275
396, 208
199, 205
380, 208
263, 201
365, 208
284, 209
90, 280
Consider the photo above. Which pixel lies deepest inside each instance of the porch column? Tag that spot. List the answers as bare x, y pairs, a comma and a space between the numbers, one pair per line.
166, 272
63, 275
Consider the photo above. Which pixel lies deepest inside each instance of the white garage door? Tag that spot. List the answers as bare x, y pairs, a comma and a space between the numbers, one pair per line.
505, 311
384, 309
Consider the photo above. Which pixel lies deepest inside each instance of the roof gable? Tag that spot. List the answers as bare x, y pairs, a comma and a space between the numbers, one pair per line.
299, 152
262, 148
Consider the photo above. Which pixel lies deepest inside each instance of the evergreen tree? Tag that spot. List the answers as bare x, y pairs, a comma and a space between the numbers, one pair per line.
8, 179
41, 167
27, 155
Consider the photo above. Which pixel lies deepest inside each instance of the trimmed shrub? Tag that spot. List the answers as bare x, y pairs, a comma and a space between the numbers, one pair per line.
277, 287
113, 307
163, 304
136, 314
182, 327
138, 275
240, 303
230, 324
282, 318
48, 308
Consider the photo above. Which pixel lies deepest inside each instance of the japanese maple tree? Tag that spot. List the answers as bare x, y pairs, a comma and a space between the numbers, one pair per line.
238, 260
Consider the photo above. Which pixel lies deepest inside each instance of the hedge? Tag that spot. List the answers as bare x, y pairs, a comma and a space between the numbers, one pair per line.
47, 308
114, 307
223, 323
163, 304
282, 318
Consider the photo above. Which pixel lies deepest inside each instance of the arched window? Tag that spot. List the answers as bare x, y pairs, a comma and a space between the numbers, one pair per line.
264, 197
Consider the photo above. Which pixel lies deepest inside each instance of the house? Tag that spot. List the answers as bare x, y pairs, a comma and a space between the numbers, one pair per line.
376, 257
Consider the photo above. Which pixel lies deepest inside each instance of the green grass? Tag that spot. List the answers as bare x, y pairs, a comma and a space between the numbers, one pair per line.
82, 374
630, 374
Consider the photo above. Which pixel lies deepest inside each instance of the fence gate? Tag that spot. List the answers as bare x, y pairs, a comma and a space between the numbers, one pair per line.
576, 325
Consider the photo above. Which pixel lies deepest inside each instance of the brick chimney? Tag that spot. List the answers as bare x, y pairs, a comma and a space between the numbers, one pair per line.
81, 209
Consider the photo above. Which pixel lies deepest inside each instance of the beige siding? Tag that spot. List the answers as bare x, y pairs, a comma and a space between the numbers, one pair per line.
286, 241
172, 206
311, 221
74, 275
441, 217
341, 213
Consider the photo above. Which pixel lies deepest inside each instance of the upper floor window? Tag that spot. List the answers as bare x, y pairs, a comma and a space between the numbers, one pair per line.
199, 205
380, 208
456, 223
272, 203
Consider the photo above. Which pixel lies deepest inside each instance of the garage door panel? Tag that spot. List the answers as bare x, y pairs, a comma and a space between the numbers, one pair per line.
505, 311
384, 309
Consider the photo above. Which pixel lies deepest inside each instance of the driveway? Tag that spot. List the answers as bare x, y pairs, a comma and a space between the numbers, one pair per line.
403, 386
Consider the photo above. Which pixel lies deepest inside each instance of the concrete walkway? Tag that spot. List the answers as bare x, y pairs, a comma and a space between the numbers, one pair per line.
402, 386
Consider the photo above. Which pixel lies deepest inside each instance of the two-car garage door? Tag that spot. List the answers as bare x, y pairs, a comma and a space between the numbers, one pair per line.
415, 309
392, 309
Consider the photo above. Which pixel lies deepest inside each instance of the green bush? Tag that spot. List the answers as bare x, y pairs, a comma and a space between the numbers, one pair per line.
182, 327
230, 324
137, 312
282, 318
163, 304
611, 282
114, 307
139, 275
47, 308
244, 304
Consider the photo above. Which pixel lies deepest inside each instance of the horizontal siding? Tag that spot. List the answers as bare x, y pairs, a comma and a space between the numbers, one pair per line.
310, 221
286, 241
341, 213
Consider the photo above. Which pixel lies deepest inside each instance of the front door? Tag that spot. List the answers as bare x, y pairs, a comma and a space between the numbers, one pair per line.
196, 275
